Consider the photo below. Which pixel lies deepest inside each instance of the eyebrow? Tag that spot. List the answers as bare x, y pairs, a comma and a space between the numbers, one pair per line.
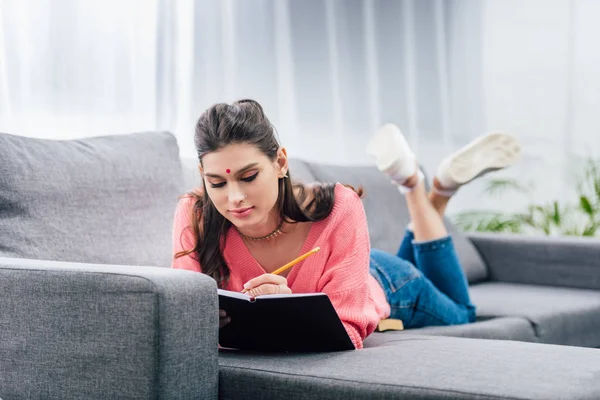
240, 171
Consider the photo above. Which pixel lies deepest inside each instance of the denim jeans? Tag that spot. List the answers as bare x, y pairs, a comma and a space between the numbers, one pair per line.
424, 283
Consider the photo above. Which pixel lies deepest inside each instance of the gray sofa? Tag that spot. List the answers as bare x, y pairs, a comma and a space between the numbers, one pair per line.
86, 314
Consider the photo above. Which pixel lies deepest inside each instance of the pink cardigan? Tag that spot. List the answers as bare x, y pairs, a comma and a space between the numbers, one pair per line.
340, 269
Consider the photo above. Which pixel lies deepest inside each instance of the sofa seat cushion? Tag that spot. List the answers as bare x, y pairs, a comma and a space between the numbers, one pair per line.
387, 213
508, 328
558, 315
419, 367
107, 200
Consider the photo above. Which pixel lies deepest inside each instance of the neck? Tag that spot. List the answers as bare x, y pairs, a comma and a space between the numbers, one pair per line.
266, 232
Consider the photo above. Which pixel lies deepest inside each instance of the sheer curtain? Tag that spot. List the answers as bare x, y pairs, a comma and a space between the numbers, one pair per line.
70, 68
328, 73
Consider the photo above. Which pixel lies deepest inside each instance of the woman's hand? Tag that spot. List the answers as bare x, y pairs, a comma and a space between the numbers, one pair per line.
223, 318
266, 284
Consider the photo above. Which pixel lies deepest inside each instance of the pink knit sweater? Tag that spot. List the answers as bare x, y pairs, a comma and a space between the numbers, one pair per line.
340, 269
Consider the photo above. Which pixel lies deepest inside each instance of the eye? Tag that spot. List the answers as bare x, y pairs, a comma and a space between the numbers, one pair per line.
217, 185
250, 178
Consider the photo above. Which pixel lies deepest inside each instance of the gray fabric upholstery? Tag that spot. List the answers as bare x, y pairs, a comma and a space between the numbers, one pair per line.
509, 328
387, 214
300, 171
77, 331
99, 200
558, 315
565, 261
191, 174
418, 367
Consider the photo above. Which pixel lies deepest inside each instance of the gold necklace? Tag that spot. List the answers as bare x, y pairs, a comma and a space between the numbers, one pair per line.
271, 235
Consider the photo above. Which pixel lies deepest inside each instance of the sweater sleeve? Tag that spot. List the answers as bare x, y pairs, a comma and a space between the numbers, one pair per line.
346, 277
183, 236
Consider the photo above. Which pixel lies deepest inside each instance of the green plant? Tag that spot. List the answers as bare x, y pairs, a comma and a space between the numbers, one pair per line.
579, 219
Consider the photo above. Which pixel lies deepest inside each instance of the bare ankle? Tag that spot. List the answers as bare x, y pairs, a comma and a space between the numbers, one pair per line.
412, 181
439, 202
437, 184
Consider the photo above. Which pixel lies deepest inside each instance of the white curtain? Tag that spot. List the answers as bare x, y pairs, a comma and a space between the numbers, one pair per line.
328, 73
71, 68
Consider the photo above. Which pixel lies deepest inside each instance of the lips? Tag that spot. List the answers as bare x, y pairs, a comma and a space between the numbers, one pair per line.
241, 212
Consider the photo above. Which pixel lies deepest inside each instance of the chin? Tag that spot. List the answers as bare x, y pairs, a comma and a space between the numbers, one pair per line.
252, 223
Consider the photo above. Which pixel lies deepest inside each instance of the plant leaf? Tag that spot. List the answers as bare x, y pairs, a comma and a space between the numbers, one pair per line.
597, 189
586, 205
590, 230
498, 186
487, 221
556, 214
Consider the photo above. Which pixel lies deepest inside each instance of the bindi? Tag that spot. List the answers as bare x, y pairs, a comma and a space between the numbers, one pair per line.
228, 170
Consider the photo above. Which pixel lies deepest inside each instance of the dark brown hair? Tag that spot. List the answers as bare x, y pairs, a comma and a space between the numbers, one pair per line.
244, 122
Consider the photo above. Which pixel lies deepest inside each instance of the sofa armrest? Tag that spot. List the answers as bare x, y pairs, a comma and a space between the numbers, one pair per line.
84, 331
540, 260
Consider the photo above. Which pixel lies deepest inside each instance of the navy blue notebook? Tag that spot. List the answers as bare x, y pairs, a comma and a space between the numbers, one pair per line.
303, 322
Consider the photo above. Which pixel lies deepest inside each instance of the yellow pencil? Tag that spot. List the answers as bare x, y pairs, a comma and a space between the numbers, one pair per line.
296, 261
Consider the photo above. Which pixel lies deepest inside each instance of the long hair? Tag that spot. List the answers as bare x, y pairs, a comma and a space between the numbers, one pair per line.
244, 122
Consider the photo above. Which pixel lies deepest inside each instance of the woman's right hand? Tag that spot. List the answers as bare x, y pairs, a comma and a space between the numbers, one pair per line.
223, 318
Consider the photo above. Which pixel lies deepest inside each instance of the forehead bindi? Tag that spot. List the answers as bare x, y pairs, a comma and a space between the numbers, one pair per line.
229, 171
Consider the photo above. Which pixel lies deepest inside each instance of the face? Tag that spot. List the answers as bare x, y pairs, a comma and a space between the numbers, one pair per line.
242, 183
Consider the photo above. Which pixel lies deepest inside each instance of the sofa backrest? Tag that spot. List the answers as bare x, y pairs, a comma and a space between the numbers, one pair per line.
107, 200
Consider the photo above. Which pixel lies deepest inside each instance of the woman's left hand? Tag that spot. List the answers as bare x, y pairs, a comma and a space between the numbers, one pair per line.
266, 284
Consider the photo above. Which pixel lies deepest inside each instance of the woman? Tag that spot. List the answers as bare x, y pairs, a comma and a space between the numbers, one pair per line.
250, 219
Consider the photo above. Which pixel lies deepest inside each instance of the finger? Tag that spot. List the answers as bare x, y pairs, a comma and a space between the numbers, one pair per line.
267, 288
222, 313
264, 279
224, 321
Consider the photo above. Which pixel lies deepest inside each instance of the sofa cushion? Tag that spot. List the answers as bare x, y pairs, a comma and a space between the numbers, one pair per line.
103, 200
417, 367
191, 174
558, 315
300, 171
508, 328
387, 214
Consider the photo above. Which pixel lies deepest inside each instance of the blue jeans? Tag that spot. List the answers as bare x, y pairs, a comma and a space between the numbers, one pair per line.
424, 284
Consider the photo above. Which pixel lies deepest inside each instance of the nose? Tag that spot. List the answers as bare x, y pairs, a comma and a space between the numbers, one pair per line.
235, 195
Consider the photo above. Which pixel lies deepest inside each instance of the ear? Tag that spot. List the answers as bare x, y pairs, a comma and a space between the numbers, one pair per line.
201, 170
282, 161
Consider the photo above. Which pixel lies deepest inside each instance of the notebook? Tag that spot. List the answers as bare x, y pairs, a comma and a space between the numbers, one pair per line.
302, 322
